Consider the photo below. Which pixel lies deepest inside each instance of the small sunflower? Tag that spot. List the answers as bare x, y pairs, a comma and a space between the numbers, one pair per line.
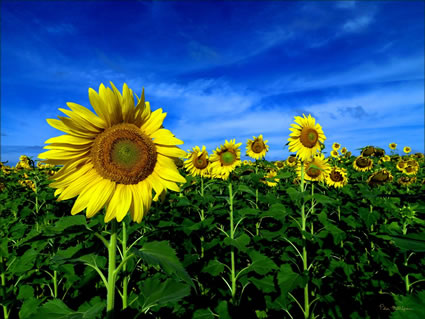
336, 146
257, 148
406, 180
379, 152
225, 159
368, 151
407, 149
393, 146
306, 137
419, 155
343, 150
362, 164
316, 169
380, 177
113, 159
291, 161
386, 158
197, 163
270, 175
245, 162
279, 165
337, 177
334, 153
410, 170
348, 155
401, 165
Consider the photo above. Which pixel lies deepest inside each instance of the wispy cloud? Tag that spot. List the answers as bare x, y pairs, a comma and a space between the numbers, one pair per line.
358, 24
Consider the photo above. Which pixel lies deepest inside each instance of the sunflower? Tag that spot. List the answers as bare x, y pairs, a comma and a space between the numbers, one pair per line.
406, 180
368, 151
197, 163
362, 164
407, 149
334, 153
291, 161
257, 148
279, 165
419, 155
270, 175
306, 138
245, 162
343, 150
337, 177
380, 177
336, 146
348, 155
410, 170
379, 152
393, 146
316, 169
385, 158
115, 158
401, 165
225, 159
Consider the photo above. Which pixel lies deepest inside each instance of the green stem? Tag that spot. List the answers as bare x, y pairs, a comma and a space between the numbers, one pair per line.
372, 245
3, 288
125, 279
312, 206
232, 252
111, 268
202, 217
305, 264
55, 283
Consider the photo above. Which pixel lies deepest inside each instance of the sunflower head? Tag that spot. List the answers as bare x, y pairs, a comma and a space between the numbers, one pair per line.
343, 150
306, 137
379, 152
419, 155
257, 148
406, 180
386, 158
270, 175
407, 149
197, 162
362, 164
401, 165
113, 158
336, 146
279, 164
334, 153
337, 177
291, 161
368, 151
393, 146
225, 159
316, 169
380, 177
410, 170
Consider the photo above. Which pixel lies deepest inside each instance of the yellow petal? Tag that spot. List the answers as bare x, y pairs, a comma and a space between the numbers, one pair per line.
119, 204
83, 123
78, 185
99, 105
154, 122
155, 181
85, 196
136, 207
69, 139
171, 151
102, 193
171, 174
87, 114
165, 137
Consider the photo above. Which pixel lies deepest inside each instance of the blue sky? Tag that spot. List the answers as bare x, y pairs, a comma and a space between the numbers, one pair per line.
221, 70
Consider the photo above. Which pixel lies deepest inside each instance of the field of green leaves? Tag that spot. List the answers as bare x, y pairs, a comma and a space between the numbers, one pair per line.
236, 248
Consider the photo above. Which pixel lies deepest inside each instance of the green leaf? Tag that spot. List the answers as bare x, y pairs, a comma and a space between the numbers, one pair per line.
368, 217
93, 308
246, 189
4, 252
214, 267
203, 314
222, 310
239, 242
154, 292
288, 280
323, 199
411, 306
265, 284
25, 292
160, 253
56, 309
29, 308
294, 194
411, 242
248, 211
25, 262
277, 211
261, 264
69, 221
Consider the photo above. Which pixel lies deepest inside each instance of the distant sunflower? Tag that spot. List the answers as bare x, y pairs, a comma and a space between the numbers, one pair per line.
115, 158
401, 165
336, 146
386, 158
270, 175
379, 152
419, 155
380, 177
362, 164
368, 151
343, 150
316, 169
337, 177
279, 165
410, 170
225, 159
393, 146
407, 149
197, 163
291, 161
406, 180
334, 153
306, 137
257, 148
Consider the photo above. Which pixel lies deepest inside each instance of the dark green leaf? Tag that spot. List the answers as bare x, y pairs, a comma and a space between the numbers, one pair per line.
214, 268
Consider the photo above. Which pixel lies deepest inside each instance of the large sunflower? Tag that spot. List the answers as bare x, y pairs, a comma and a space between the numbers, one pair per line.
380, 177
362, 164
337, 177
197, 163
306, 137
113, 159
257, 148
225, 159
316, 169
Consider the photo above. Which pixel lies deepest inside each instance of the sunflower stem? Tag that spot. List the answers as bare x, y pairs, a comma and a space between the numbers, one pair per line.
232, 252
111, 269
305, 264
3, 289
202, 216
124, 256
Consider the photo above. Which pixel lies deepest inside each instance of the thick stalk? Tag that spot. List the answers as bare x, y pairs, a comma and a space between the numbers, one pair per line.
232, 252
202, 217
3, 288
111, 268
257, 225
124, 256
55, 283
305, 265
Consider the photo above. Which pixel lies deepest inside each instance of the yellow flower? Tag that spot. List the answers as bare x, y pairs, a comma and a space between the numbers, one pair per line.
114, 158
362, 164
380, 177
257, 148
306, 137
316, 169
368, 151
336, 146
407, 149
225, 159
334, 153
270, 175
401, 165
197, 163
393, 146
406, 180
337, 177
386, 158
279, 165
343, 150
410, 170
291, 161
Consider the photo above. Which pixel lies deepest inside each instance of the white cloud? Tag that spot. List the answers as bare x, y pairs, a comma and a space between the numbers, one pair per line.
357, 24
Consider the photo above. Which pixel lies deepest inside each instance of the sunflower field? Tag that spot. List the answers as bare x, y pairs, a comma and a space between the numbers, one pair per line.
174, 234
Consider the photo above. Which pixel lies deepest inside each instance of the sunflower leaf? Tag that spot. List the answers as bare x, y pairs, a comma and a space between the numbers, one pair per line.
160, 253
246, 189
